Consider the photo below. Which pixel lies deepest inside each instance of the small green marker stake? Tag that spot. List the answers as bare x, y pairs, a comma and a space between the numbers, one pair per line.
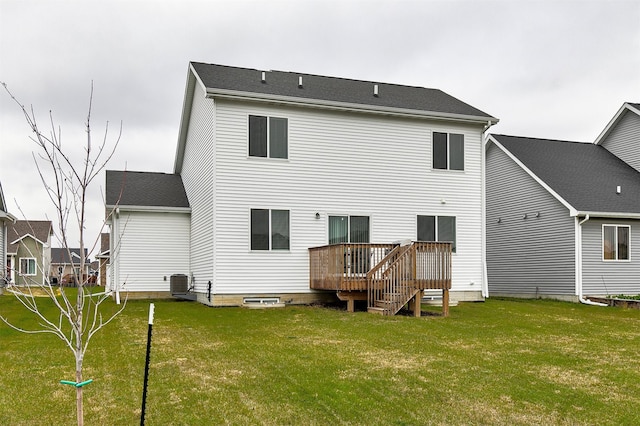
77, 385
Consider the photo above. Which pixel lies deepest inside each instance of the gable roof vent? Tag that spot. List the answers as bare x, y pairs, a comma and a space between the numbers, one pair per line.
375, 90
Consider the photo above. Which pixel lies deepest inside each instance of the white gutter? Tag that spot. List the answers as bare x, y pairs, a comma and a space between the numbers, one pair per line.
581, 297
344, 106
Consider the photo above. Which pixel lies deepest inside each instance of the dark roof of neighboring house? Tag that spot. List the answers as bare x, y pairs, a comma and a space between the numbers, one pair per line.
61, 255
39, 229
3, 207
585, 175
145, 189
333, 89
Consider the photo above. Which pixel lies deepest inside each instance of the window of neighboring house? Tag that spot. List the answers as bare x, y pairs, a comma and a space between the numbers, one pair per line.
348, 229
615, 242
269, 229
268, 137
448, 151
437, 228
27, 266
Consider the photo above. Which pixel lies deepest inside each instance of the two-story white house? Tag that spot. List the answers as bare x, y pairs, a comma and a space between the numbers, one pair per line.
275, 163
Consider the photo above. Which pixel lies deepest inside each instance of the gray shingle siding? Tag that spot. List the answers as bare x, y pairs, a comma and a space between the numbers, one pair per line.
606, 277
624, 139
526, 257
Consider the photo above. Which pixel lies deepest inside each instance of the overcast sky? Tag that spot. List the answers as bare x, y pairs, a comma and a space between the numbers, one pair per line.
553, 69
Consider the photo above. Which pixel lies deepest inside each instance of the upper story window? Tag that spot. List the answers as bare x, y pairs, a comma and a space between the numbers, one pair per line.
615, 242
448, 151
268, 137
269, 229
437, 228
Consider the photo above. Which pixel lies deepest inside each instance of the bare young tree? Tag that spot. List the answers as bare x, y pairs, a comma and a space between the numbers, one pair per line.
67, 182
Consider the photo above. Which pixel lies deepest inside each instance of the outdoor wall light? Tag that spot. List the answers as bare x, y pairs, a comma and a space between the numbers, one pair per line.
524, 216
499, 220
537, 214
317, 215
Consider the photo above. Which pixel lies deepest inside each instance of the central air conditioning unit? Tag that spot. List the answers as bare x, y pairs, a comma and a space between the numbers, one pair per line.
179, 287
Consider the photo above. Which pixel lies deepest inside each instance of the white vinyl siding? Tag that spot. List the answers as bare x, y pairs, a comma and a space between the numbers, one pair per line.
155, 246
365, 165
532, 256
623, 140
198, 179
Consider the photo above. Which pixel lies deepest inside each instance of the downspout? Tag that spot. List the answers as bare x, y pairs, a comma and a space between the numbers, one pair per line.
483, 226
116, 269
581, 298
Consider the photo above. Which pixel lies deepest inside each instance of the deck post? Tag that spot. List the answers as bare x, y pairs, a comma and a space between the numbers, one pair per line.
445, 302
351, 305
417, 307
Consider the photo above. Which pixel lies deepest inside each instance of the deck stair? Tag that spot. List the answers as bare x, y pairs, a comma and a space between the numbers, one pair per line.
387, 276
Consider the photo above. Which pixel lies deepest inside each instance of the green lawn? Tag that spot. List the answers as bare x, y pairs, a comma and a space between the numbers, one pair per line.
499, 362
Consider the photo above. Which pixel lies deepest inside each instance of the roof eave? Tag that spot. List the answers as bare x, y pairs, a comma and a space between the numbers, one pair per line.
7, 215
346, 106
625, 107
164, 209
192, 78
607, 215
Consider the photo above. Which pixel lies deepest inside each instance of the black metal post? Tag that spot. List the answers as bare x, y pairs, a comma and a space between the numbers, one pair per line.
146, 365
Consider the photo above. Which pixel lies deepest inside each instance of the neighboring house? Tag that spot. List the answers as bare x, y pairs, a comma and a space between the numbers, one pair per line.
150, 226
275, 163
103, 259
66, 265
6, 219
29, 251
563, 218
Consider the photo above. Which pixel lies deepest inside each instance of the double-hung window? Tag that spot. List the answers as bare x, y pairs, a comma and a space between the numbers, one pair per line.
269, 229
615, 242
448, 151
268, 137
27, 266
437, 228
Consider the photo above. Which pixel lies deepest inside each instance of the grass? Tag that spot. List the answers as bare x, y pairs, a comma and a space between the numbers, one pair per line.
499, 362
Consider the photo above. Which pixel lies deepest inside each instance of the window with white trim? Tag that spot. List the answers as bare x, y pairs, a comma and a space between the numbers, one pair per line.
27, 266
615, 242
348, 229
269, 229
268, 137
448, 151
437, 228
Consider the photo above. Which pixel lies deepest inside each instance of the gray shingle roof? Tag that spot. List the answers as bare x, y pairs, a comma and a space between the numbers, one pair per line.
333, 89
40, 229
61, 256
145, 189
583, 174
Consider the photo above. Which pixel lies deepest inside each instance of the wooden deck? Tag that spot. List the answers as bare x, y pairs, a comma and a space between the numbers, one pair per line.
388, 276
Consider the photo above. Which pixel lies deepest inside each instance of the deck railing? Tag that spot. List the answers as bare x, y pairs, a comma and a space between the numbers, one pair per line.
405, 272
344, 266
380, 269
